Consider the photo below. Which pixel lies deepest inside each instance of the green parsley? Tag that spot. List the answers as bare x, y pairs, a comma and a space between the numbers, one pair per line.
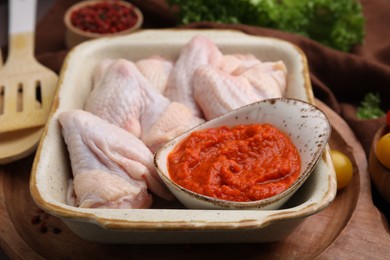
370, 107
337, 24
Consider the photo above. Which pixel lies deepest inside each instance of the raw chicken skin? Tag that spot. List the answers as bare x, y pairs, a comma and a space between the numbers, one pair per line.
218, 92
199, 51
102, 153
235, 64
269, 78
125, 98
100, 189
156, 69
226, 87
175, 119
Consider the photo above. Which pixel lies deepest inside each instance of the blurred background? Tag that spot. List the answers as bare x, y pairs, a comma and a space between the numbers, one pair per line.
43, 6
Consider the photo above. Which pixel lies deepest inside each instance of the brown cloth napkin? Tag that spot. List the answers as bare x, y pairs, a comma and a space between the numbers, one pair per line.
339, 79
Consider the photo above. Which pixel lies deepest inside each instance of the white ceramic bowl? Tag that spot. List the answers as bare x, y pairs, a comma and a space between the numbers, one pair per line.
171, 223
306, 126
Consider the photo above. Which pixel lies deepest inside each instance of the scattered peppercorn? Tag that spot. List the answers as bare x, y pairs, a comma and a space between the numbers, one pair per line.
41, 220
43, 228
56, 230
106, 17
35, 220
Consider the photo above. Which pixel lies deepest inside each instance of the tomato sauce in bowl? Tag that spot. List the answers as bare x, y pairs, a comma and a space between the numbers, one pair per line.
253, 158
240, 163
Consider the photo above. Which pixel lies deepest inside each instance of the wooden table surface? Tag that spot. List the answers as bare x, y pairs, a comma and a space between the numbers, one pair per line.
350, 228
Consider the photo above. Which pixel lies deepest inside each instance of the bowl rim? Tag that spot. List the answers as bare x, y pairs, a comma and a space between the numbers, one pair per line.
81, 4
252, 220
248, 204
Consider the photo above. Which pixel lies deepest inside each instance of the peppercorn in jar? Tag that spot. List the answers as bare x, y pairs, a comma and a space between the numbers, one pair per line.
104, 17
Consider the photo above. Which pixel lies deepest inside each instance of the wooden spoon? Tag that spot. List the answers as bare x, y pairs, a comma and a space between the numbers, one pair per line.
26, 87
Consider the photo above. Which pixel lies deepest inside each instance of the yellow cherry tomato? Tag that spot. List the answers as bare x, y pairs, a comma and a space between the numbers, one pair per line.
343, 167
383, 150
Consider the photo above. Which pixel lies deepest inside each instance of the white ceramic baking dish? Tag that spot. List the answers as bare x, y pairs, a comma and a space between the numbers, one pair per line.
165, 222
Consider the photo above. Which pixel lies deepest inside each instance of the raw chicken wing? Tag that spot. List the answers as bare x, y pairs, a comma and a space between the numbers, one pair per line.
111, 167
127, 99
220, 89
199, 51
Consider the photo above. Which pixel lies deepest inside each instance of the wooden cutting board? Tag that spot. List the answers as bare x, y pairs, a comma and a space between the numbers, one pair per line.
350, 228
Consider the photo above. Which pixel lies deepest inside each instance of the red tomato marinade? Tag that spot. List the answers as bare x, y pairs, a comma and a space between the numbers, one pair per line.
241, 163
105, 17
